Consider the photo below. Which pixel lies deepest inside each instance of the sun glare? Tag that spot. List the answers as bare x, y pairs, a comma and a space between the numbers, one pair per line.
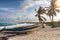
57, 3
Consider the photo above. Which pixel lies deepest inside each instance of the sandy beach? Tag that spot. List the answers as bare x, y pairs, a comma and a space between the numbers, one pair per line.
40, 34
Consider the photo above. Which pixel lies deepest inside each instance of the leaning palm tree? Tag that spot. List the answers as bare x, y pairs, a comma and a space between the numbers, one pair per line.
52, 11
39, 12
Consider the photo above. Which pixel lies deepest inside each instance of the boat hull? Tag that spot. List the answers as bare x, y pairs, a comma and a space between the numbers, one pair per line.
21, 28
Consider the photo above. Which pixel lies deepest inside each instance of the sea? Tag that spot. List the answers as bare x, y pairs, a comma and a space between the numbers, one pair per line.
57, 25
9, 24
5, 24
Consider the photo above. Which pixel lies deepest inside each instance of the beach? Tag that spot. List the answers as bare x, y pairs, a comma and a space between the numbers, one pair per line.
40, 34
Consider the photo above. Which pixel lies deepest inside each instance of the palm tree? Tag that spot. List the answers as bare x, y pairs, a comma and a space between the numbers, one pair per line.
41, 19
52, 11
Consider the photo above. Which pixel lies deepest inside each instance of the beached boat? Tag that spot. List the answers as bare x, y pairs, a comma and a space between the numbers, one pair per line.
20, 28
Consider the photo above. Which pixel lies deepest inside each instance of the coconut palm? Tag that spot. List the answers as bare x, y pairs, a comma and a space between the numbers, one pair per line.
52, 11
39, 12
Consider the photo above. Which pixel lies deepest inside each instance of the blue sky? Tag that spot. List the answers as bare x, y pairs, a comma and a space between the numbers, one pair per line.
14, 11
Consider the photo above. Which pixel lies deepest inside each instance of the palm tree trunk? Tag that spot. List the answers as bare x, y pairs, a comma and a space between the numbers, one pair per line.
39, 19
42, 23
52, 21
50, 18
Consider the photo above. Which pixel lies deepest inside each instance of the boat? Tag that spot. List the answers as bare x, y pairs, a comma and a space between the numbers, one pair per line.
19, 28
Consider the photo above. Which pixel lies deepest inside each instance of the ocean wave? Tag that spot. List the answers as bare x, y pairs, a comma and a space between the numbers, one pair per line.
1, 27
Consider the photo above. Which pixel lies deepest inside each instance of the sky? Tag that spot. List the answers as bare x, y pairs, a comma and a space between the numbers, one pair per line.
15, 11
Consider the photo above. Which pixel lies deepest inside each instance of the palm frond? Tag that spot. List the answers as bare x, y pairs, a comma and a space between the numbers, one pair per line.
43, 18
57, 10
40, 19
40, 11
36, 15
35, 9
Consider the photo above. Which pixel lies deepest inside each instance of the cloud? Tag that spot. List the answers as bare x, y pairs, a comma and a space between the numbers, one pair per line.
26, 4
42, 2
57, 18
25, 16
7, 18
8, 9
29, 3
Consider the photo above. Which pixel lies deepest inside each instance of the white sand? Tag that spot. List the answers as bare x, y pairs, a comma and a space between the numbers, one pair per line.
41, 34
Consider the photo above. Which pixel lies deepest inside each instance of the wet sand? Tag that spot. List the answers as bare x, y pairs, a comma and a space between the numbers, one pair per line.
41, 34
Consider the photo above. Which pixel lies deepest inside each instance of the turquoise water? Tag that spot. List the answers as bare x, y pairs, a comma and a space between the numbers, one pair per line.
57, 25
5, 24
8, 24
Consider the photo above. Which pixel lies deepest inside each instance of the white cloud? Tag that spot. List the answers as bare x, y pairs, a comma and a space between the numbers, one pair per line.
8, 18
57, 18
25, 16
8, 9
29, 3
26, 4
42, 2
